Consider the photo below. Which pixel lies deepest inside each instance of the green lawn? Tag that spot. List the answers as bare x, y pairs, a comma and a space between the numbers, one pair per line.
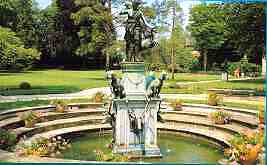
51, 81
65, 81
23, 104
203, 87
35, 103
252, 106
193, 77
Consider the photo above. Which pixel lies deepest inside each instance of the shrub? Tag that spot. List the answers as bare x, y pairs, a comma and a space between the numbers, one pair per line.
43, 147
99, 97
155, 67
61, 105
101, 156
231, 67
13, 55
213, 99
245, 67
260, 90
220, 117
176, 104
25, 85
195, 66
30, 118
7, 139
261, 114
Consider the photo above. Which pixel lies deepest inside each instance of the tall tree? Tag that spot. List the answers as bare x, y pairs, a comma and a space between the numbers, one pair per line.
19, 16
13, 54
246, 26
237, 27
173, 11
96, 27
25, 22
207, 27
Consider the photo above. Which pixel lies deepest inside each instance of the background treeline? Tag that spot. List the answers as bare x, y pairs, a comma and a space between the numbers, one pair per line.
68, 33
82, 34
229, 33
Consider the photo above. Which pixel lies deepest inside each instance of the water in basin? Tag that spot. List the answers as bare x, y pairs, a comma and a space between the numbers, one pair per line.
174, 148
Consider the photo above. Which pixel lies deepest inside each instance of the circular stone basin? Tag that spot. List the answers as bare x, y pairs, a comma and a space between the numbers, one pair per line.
174, 148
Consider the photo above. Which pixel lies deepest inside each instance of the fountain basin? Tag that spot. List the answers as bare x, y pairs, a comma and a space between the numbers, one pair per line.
174, 148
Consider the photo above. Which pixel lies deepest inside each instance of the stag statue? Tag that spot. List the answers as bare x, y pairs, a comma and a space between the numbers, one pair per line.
154, 86
137, 29
117, 88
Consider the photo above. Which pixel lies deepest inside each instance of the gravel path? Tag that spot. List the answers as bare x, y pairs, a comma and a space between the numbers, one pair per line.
90, 92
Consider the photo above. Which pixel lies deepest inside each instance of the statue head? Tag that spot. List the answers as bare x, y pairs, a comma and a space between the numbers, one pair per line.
136, 4
109, 74
152, 74
163, 75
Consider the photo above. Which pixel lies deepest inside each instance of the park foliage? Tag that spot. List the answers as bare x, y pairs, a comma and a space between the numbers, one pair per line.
75, 33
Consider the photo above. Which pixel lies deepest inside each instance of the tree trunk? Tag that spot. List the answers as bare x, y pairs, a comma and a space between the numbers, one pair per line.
205, 61
173, 63
109, 6
107, 62
172, 38
263, 72
257, 58
109, 38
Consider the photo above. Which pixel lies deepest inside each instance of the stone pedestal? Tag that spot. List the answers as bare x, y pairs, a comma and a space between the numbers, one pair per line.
135, 131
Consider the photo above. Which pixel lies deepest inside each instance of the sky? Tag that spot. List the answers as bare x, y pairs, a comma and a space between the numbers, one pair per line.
44, 3
185, 5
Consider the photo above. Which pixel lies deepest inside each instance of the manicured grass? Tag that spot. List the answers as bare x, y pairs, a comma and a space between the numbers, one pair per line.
66, 81
51, 81
193, 77
34, 103
23, 104
252, 106
203, 87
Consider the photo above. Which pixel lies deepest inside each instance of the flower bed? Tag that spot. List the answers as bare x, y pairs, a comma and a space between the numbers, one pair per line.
42, 147
30, 118
245, 147
7, 139
220, 117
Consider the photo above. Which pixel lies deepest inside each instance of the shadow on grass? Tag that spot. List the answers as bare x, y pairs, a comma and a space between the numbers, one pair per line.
13, 73
257, 81
22, 104
97, 79
38, 90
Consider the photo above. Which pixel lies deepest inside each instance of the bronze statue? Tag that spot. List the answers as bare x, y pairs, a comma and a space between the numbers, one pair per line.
137, 30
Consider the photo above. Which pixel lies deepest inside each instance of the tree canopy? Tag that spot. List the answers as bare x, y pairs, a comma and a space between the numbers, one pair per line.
79, 33
239, 28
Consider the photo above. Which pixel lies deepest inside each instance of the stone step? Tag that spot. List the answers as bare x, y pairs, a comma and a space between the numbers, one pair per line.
74, 121
18, 110
214, 134
15, 122
247, 120
232, 128
64, 131
239, 110
13, 112
56, 124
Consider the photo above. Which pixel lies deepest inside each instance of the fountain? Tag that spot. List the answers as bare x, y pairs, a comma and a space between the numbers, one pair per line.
136, 103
